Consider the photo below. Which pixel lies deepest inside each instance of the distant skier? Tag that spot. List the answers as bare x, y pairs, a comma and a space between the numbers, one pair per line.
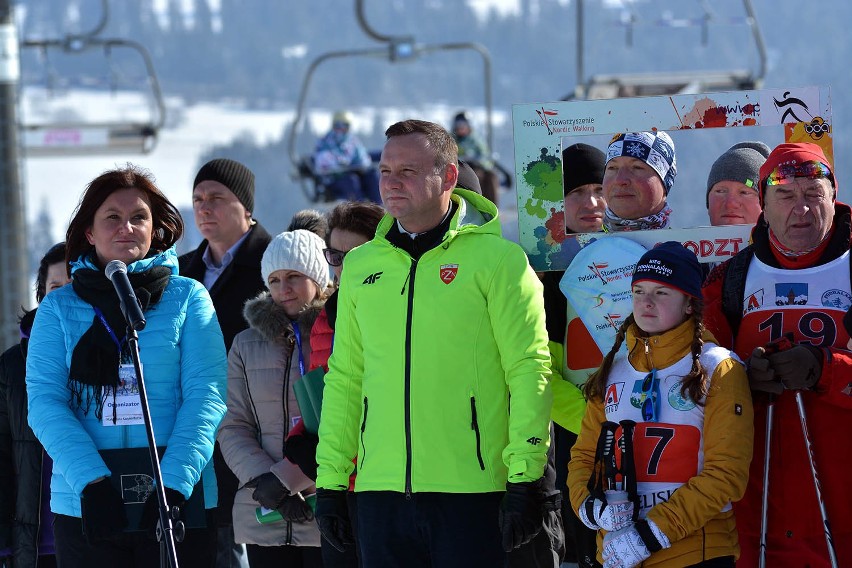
344, 163
475, 152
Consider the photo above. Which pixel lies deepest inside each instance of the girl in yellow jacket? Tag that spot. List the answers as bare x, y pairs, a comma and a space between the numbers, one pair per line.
692, 440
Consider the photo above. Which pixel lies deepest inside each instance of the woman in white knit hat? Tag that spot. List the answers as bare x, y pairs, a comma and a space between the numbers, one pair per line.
263, 364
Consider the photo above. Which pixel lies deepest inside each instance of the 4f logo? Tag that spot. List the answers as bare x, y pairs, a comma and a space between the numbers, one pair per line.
535, 440
372, 278
448, 272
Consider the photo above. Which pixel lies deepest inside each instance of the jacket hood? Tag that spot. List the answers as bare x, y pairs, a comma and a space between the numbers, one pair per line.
271, 321
474, 213
167, 258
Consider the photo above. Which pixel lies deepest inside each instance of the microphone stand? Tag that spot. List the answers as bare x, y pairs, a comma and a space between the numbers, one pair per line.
167, 532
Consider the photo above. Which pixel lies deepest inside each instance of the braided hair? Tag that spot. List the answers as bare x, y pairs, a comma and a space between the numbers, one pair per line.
693, 384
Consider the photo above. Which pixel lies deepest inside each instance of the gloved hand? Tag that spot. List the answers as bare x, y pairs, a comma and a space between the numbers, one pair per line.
761, 376
631, 546
613, 515
333, 518
268, 490
521, 516
798, 367
295, 509
301, 449
102, 510
151, 513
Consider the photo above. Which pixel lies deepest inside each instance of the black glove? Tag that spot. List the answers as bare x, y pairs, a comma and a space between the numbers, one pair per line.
102, 510
151, 513
268, 490
295, 509
761, 376
301, 449
521, 515
797, 368
333, 518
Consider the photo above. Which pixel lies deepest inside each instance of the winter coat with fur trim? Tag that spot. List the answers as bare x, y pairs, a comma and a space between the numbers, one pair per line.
263, 364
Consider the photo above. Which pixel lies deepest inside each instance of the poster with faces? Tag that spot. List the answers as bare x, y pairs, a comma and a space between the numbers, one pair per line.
702, 127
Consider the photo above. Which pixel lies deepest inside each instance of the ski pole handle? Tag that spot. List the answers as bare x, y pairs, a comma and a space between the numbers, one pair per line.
608, 431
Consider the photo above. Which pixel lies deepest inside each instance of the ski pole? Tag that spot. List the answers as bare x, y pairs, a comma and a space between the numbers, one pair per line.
764, 505
610, 467
829, 541
603, 471
781, 344
628, 465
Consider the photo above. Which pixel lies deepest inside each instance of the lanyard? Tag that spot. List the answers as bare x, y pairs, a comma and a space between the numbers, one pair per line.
298, 335
101, 317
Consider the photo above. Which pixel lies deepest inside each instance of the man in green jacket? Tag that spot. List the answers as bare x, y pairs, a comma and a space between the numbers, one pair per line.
440, 324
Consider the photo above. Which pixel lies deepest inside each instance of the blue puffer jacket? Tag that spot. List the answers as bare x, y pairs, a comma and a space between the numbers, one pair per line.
185, 369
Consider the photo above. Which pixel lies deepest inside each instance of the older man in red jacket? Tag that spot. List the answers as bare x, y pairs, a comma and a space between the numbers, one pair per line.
794, 280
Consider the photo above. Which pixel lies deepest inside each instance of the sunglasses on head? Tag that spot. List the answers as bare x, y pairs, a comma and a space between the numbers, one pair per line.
334, 257
651, 397
786, 173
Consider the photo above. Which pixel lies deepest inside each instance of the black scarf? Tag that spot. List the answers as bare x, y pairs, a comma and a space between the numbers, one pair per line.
96, 356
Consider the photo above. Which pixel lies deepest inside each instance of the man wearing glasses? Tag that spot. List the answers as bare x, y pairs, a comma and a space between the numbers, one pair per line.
793, 281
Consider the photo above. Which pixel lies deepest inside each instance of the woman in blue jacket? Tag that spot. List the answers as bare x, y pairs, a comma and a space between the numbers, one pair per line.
83, 399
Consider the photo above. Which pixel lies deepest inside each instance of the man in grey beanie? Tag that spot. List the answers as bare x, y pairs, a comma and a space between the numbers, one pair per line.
732, 192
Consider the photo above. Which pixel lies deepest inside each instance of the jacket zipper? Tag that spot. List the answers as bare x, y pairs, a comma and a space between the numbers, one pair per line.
474, 425
409, 318
648, 353
285, 391
363, 427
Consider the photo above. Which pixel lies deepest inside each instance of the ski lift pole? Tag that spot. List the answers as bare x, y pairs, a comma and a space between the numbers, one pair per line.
13, 234
758, 41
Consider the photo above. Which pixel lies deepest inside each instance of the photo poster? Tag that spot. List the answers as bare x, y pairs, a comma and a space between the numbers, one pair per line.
703, 126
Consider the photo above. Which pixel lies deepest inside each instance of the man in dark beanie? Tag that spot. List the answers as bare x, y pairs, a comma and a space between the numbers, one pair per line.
780, 304
227, 262
732, 192
569, 340
582, 174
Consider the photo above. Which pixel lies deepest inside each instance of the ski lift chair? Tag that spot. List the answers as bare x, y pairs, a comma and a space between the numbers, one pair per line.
71, 137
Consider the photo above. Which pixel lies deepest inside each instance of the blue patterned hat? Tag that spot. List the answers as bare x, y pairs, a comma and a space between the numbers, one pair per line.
654, 148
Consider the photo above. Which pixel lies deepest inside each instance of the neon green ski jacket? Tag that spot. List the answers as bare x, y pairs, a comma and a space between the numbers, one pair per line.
426, 355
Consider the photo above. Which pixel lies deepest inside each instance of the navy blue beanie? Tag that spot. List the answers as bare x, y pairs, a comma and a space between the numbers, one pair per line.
672, 265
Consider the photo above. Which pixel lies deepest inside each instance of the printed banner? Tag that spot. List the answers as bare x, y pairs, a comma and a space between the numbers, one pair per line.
702, 126
597, 283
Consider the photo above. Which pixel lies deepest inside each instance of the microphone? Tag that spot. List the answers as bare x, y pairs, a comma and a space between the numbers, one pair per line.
116, 271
